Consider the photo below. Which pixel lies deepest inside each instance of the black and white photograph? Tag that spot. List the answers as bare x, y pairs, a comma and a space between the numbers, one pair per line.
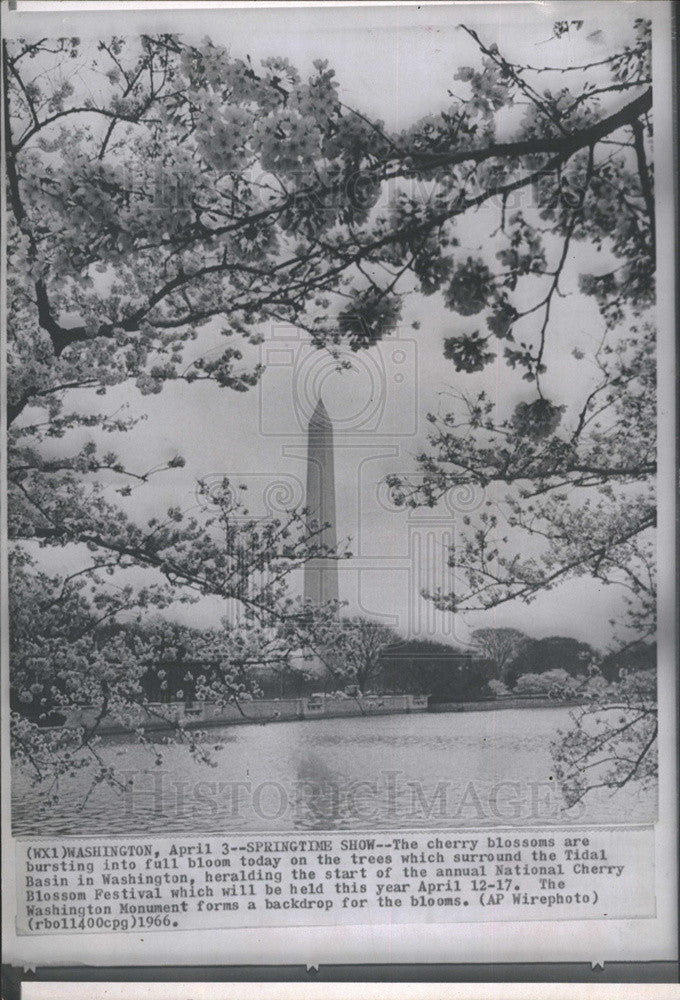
338, 561
332, 426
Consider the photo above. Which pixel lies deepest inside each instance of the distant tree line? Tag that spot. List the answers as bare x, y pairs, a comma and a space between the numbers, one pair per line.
175, 662
505, 657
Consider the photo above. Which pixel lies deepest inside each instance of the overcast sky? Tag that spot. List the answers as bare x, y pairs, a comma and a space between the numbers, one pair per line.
395, 64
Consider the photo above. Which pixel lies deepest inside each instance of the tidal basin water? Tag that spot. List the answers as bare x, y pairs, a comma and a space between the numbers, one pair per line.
454, 770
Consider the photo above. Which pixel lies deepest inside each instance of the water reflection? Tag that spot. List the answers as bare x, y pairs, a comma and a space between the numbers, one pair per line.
408, 771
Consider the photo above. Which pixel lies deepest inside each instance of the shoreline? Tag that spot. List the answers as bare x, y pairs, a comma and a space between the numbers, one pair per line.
264, 711
503, 703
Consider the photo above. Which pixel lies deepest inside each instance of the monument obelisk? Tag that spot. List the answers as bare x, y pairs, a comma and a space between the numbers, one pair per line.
321, 575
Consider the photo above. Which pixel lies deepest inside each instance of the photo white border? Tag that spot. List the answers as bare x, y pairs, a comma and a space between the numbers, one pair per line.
348, 991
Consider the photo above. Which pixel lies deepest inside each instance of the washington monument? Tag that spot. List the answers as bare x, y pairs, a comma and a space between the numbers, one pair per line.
321, 575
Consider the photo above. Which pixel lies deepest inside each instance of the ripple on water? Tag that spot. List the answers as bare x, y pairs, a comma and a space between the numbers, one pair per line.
466, 769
